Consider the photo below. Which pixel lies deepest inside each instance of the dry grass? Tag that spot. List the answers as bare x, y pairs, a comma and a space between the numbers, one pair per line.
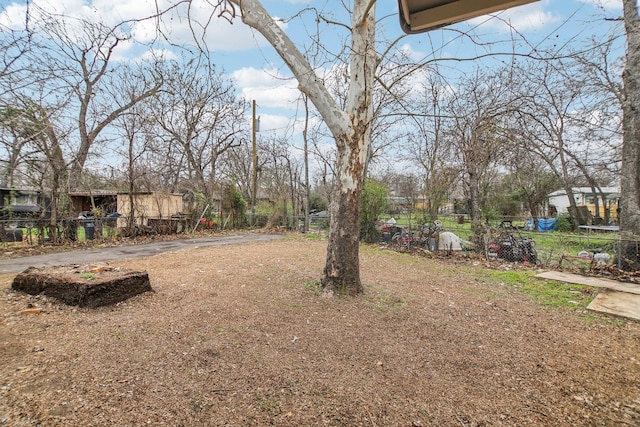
241, 336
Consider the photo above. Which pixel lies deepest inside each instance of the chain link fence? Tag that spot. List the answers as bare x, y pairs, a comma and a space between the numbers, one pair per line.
38, 231
579, 251
585, 250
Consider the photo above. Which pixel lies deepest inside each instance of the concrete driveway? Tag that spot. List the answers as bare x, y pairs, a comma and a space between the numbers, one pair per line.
87, 256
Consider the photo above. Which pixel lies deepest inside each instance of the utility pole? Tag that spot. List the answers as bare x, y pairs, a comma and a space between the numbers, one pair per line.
254, 171
306, 165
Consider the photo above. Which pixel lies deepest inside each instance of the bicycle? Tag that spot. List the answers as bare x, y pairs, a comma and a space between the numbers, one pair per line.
404, 237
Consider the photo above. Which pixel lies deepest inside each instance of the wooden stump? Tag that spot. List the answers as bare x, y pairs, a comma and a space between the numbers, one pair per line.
83, 285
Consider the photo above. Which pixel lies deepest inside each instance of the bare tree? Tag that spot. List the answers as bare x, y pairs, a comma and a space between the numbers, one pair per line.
14, 45
531, 176
307, 187
36, 129
278, 180
427, 144
350, 126
559, 121
65, 88
14, 139
629, 183
75, 57
198, 113
135, 130
480, 134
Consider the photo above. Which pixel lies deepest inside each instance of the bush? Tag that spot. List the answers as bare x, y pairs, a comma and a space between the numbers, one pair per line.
234, 204
318, 202
564, 223
323, 224
374, 203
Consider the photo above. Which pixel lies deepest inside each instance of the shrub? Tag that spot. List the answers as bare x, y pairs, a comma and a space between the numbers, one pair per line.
374, 203
564, 224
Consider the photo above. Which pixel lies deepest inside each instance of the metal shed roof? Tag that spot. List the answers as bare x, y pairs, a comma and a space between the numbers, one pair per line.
422, 15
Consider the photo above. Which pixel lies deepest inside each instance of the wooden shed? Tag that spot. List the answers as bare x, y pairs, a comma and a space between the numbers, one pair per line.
149, 206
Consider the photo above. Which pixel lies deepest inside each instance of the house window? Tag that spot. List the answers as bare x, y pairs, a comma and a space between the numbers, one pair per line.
25, 199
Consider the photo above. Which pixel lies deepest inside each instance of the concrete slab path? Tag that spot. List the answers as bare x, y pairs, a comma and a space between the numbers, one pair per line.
617, 303
616, 298
597, 282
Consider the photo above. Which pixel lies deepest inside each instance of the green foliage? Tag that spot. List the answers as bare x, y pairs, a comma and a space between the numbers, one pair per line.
314, 236
211, 213
460, 206
199, 197
268, 404
492, 214
389, 303
234, 204
564, 223
536, 185
546, 292
317, 202
374, 203
552, 246
264, 208
324, 224
237, 201
502, 203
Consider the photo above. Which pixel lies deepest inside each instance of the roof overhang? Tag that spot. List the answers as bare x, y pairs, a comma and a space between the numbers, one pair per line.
417, 16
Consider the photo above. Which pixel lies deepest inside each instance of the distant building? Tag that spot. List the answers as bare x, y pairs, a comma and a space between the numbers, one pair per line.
21, 203
558, 201
151, 205
101, 201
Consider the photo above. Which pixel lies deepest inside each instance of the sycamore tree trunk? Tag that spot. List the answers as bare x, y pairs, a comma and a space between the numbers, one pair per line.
630, 173
630, 170
350, 127
342, 270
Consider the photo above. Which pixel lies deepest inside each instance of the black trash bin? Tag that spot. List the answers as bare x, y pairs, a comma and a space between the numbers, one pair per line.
89, 230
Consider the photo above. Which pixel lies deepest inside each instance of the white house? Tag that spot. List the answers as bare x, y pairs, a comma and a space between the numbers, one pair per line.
584, 196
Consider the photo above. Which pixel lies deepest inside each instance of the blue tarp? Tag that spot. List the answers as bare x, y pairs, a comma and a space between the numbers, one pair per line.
544, 224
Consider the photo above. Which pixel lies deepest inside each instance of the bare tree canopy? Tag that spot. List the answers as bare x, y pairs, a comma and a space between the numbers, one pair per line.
447, 118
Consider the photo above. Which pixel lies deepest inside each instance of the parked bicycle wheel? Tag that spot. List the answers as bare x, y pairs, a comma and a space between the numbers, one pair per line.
396, 239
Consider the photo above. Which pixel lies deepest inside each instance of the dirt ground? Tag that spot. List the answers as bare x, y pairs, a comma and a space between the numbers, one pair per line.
241, 335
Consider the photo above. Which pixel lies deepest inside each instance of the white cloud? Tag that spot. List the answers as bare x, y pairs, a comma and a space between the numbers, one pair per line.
269, 88
217, 34
411, 53
605, 4
161, 53
13, 16
522, 18
278, 124
282, 126
109, 12
200, 24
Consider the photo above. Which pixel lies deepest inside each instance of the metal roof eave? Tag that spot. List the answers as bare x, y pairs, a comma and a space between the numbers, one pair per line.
417, 16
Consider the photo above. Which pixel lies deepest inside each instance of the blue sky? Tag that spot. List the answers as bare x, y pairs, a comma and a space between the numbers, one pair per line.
261, 75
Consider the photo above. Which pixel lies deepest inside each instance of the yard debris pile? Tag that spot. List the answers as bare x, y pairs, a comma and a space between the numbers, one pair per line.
613, 272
